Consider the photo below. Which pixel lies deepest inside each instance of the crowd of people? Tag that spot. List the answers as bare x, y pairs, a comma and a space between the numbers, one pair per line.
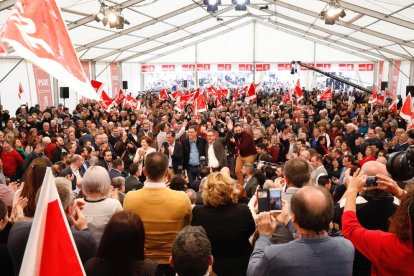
155, 191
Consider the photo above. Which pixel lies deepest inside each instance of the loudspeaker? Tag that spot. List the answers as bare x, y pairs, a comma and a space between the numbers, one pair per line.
409, 89
384, 84
64, 92
124, 85
185, 83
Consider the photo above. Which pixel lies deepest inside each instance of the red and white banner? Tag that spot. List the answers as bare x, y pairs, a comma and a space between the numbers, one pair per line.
188, 67
225, 92
323, 66
37, 32
176, 95
203, 67
50, 248
325, 95
380, 100
145, 68
120, 97
168, 67
380, 72
395, 77
115, 77
262, 67
104, 101
131, 102
43, 87
366, 67
284, 66
245, 67
346, 67
223, 67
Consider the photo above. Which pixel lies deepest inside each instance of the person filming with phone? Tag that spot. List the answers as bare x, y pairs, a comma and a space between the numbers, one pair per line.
312, 211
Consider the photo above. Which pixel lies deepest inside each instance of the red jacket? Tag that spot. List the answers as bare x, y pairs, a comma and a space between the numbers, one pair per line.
245, 144
49, 150
11, 161
388, 255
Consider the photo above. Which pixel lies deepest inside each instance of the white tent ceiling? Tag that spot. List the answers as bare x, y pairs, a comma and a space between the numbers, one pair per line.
374, 29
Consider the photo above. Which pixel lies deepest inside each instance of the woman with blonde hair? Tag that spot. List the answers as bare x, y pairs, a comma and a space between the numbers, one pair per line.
228, 224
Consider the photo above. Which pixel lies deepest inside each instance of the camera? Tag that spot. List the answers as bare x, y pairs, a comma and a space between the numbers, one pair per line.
371, 181
401, 164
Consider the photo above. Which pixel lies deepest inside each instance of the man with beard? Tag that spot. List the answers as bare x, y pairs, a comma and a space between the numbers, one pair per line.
245, 144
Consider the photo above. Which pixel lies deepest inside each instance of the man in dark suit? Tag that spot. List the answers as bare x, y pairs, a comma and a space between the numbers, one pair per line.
72, 172
38, 152
215, 153
106, 162
250, 182
132, 182
117, 169
194, 148
174, 150
60, 148
85, 136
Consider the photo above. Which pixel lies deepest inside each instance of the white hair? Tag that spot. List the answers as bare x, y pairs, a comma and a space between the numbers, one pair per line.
96, 180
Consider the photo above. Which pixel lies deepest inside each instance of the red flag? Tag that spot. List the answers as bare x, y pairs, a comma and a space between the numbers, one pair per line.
251, 93
224, 92
176, 95
325, 95
131, 102
380, 100
374, 96
200, 104
105, 102
120, 97
20, 90
286, 98
406, 109
50, 248
37, 32
236, 94
410, 124
163, 95
211, 90
393, 106
388, 93
97, 85
298, 91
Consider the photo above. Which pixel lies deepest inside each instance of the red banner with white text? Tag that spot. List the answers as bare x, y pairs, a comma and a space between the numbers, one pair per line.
395, 77
115, 78
43, 87
380, 72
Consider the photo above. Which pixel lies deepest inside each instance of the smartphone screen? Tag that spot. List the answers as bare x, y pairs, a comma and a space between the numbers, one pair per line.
275, 200
263, 200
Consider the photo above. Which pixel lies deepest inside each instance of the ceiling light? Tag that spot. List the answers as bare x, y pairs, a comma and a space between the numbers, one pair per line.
333, 12
112, 16
212, 5
240, 4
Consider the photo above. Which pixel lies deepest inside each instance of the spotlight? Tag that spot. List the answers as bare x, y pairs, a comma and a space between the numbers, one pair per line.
112, 18
99, 16
333, 12
240, 4
264, 8
212, 5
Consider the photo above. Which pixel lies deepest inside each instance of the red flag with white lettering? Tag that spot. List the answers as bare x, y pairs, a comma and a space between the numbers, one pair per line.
298, 91
393, 106
200, 104
176, 95
37, 32
325, 95
131, 102
163, 95
251, 93
286, 98
374, 96
120, 97
50, 248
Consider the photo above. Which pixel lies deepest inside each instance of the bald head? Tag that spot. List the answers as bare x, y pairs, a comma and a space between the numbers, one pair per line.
312, 208
373, 168
225, 170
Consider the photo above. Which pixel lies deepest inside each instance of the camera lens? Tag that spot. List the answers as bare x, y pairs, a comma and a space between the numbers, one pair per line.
399, 166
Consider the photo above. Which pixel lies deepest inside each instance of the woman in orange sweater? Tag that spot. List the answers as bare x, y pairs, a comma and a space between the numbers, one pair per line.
390, 253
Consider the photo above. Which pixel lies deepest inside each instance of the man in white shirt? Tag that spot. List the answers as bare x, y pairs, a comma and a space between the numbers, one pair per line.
215, 152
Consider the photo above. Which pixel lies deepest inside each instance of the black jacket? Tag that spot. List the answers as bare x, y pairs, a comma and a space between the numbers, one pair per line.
177, 157
201, 145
